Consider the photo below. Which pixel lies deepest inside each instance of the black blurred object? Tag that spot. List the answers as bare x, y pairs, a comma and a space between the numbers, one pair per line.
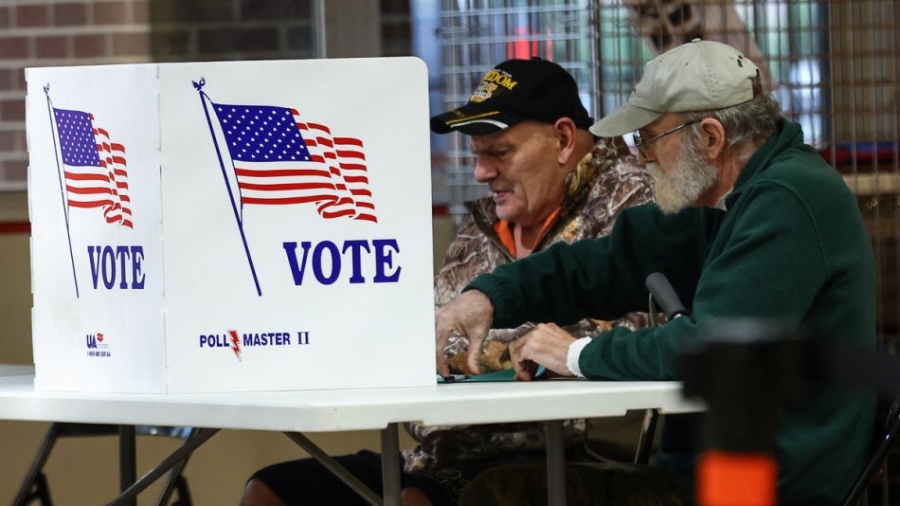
747, 369
664, 295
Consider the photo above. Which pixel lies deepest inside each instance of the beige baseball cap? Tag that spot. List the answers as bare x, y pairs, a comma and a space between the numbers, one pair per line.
701, 75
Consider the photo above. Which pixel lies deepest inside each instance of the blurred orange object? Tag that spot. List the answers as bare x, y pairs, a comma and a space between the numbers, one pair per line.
736, 479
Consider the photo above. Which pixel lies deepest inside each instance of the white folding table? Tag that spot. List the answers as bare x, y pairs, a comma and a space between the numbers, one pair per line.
296, 412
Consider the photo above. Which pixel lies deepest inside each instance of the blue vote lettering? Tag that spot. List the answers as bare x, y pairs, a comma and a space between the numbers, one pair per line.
327, 260
114, 264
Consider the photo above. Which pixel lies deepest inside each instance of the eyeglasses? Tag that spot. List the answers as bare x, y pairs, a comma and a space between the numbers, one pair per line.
640, 143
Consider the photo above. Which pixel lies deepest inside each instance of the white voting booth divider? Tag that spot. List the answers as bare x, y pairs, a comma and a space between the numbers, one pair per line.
239, 226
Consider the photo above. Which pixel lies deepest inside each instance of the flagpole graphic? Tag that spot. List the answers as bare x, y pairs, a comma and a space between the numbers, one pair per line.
62, 193
237, 214
91, 168
278, 159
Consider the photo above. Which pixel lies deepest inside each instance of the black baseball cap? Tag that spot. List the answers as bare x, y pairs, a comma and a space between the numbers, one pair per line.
513, 91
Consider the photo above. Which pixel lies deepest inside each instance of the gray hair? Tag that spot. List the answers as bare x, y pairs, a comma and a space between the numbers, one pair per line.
746, 125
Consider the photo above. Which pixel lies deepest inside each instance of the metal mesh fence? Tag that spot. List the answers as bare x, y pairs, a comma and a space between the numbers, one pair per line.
833, 66
478, 34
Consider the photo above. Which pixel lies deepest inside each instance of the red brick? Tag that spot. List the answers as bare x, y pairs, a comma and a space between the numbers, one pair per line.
12, 79
19, 79
15, 171
12, 109
111, 13
131, 44
6, 79
140, 13
74, 14
89, 46
31, 15
51, 47
14, 48
8, 141
12, 141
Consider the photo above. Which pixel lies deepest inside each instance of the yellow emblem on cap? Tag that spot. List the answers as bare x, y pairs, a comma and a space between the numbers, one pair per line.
489, 84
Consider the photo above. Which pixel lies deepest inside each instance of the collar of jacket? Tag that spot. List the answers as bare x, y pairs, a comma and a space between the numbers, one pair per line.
788, 135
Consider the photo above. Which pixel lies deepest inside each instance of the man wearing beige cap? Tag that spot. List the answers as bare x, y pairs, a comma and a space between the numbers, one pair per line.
550, 181
750, 222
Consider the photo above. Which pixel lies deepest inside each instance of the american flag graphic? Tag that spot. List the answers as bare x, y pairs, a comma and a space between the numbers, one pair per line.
279, 159
94, 167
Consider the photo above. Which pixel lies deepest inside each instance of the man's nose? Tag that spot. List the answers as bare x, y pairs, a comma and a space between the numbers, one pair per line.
484, 172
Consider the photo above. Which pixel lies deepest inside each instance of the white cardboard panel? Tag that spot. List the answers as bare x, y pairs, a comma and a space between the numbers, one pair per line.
218, 254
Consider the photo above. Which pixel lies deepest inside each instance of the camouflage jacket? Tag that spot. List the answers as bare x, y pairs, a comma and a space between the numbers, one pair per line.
603, 185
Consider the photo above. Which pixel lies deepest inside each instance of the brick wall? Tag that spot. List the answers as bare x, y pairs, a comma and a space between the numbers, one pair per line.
75, 32
204, 30
71, 32
396, 32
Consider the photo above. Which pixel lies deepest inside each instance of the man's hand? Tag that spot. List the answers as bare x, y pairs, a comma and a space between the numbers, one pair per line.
469, 315
547, 345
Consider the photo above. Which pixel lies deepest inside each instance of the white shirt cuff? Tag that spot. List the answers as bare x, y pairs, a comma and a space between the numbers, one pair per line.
574, 354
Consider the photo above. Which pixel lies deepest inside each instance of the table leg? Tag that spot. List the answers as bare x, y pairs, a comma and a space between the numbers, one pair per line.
335, 468
127, 459
390, 465
129, 495
35, 471
556, 462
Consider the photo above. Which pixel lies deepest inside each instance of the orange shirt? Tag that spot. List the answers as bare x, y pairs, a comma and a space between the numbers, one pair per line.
504, 230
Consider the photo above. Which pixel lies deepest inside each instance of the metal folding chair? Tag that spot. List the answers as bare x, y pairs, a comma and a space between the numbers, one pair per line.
876, 471
36, 489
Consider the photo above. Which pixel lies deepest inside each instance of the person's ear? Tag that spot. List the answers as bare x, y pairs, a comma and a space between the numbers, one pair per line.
712, 137
565, 137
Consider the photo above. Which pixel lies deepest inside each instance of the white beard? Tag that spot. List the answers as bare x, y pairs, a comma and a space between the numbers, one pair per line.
682, 185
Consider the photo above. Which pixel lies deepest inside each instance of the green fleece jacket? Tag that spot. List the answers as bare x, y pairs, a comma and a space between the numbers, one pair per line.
791, 246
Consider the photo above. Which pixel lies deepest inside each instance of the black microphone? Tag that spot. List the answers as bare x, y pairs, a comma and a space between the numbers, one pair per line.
664, 295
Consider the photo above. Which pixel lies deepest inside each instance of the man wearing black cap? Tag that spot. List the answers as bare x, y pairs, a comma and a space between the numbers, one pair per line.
529, 132
549, 182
